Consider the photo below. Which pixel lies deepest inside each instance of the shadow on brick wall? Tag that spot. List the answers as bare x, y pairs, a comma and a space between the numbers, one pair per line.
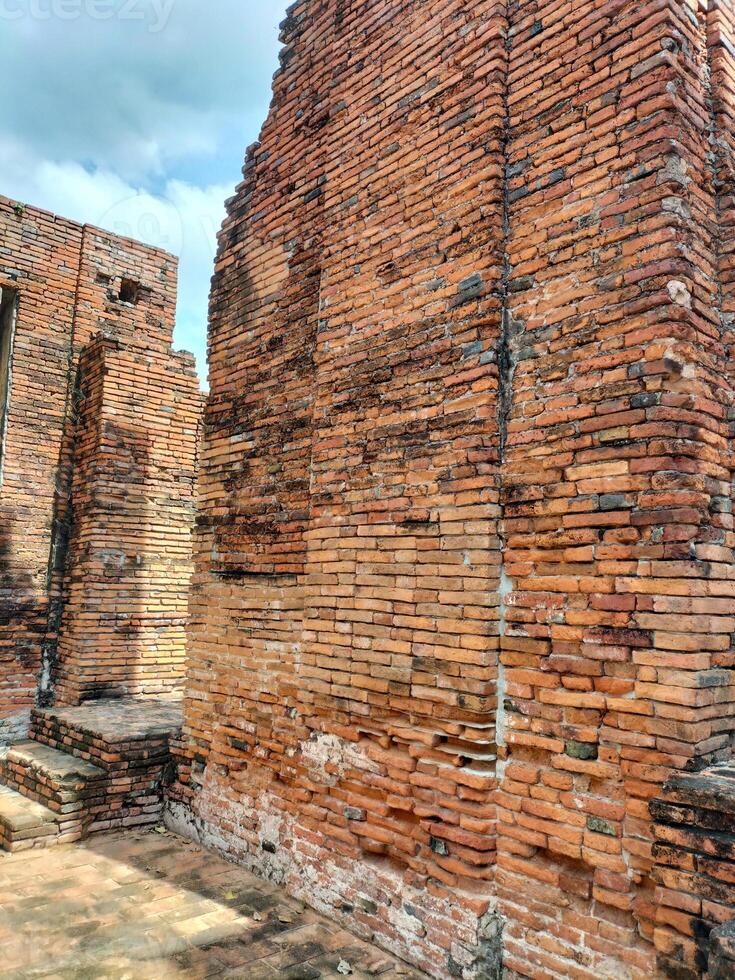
22, 624
118, 632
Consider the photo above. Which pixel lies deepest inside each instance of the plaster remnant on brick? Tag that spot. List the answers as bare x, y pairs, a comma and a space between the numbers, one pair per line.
328, 758
679, 293
676, 171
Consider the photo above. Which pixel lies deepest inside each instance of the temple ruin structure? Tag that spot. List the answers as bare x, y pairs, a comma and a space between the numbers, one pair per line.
463, 600
99, 422
461, 642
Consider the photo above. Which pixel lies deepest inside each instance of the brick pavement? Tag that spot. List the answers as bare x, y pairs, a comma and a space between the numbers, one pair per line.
150, 905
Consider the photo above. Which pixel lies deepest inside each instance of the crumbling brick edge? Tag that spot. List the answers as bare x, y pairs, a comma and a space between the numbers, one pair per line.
479, 960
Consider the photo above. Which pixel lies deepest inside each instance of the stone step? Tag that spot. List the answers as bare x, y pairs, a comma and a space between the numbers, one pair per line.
25, 824
70, 787
95, 767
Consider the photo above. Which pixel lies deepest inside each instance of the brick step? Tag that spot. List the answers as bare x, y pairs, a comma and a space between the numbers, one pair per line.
66, 785
120, 736
25, 824
126, 741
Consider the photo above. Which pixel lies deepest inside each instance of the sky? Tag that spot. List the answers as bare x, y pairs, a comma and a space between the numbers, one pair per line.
134, 115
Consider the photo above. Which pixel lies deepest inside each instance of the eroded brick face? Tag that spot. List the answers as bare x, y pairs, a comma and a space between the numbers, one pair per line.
464, 584
69, 474
125, 594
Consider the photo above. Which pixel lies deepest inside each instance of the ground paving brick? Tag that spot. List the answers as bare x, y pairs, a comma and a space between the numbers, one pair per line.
150, 905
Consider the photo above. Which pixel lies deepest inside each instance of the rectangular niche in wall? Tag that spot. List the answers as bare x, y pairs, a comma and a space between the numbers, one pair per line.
8, 304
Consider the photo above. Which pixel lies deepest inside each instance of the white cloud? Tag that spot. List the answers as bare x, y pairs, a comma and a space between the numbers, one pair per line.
133, 100
142, 132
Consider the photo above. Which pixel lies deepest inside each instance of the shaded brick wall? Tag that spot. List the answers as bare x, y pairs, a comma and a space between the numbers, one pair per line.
344, 638
68, 280
35, 427
129, 561
695, 873
463, 591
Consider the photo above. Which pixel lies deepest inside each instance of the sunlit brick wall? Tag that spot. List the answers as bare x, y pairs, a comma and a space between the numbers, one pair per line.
470, 391
129, 562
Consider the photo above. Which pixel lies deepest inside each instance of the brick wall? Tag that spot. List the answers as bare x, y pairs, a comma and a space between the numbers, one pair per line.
129, 560
463, 589
695, 873
344, 642
68, 281
618, 476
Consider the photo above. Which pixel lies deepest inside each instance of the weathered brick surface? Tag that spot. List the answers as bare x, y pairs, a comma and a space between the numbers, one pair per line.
98, 766
345, 613
129, 560
618, 499
694, 872
464, 583
68, 280
721, 962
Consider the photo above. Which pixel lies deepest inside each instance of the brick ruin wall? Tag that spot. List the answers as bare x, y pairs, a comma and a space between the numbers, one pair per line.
126, 593
70, 284
464, 563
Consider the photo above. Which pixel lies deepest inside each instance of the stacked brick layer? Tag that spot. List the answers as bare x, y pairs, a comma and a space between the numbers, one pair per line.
464, 564
695, 871
87, 769
130, 741
57, 779
24, 824
129, 560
